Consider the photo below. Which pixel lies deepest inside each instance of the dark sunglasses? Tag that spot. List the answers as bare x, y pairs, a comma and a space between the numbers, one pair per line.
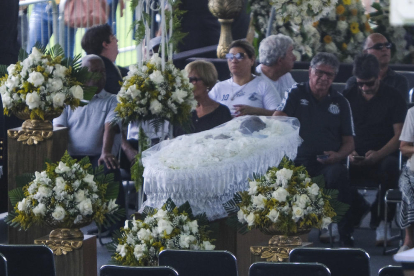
194, 79
367, 83
320, 73
239, 56
380, 46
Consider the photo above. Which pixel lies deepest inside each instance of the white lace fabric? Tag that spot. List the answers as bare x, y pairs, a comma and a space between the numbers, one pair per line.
208, 168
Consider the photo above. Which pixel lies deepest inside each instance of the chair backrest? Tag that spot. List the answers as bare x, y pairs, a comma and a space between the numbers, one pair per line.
338, 86
340, 261
37, 259
300, 75
115, 270
3, 265
200, 262
288, 269
391, 270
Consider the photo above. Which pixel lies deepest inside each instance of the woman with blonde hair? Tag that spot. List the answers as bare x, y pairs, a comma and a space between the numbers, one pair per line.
208, 113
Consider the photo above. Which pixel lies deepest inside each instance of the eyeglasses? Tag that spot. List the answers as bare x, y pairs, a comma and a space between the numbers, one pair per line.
239, 56
194, 79
367, 83
380, 46
320, 73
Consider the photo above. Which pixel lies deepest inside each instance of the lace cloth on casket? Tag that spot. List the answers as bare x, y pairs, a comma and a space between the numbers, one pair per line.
208, 168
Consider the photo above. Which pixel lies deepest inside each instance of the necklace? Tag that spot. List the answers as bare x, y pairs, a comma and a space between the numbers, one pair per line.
240, 92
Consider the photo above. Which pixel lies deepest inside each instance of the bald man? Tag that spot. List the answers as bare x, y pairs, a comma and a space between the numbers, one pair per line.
376, 44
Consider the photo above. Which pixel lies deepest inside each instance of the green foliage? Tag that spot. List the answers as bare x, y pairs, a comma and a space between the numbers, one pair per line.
137, 169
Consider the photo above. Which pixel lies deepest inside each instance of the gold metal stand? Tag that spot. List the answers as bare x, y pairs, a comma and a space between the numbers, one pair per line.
225, 10
272, 253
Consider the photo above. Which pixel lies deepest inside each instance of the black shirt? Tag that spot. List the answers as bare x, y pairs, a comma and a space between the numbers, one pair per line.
393, 79
374, 119
322, 123
215, 118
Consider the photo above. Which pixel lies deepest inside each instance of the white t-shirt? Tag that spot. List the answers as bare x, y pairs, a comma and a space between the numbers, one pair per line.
283, 84
257, 93
407, 133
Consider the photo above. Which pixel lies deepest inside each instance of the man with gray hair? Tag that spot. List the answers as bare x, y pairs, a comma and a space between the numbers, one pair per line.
277, 59
327, 130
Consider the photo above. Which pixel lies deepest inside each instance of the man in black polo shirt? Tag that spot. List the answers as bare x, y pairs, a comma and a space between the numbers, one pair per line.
379, 112
326, 128
376, 44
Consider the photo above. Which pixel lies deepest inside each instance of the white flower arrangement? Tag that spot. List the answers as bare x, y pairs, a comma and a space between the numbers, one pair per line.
302, 12
42, 82
67, 195
344, 30
170, 227
287, 198
396, 35
150, 93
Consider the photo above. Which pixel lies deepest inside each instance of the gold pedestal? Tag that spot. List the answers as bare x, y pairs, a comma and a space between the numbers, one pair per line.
225, 10
60, 246
272, 253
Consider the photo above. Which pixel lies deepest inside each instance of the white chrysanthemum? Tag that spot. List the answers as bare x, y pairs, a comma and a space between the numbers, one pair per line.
155, 107
42, 192
179, 96
85, 207
273, 215
161, 214
40, 209
11, 69
193, 226
80, 196
297, 213
186, 240
7, 101
32, 100
208, 246
59, 213
62, 168
253, 187
164, 225
55, 84
36, 78
144, 234
139, 250
121, 249
36, 55
258, 201
112, 206
77, 92
280, 194
58, 100
313, 189
23, 205
250, 219
283, 176
156, 77
133, 91
60, 71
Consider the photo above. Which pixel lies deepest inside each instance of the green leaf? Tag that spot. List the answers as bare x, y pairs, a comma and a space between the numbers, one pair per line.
186, 208
169, 205
319, 180
24, 179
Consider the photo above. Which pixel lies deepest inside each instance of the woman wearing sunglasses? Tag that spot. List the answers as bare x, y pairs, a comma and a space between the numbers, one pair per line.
208, 113
245, 93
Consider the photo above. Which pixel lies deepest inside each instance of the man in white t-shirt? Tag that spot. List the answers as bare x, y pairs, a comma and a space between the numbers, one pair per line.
277, 59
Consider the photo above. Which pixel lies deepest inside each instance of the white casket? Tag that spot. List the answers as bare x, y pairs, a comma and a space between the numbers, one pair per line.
208, 168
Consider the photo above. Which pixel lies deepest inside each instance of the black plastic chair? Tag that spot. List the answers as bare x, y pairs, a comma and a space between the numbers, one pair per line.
340, 261
200, 262
288, 269
114, 270
29, 260
391, 270
3, 265
393, 196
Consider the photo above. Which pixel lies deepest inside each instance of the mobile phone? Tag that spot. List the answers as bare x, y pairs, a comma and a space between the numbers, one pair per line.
358, 157
322, 156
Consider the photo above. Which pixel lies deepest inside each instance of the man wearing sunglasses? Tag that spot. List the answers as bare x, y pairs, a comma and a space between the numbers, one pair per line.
378, 112
376, 44
326, 129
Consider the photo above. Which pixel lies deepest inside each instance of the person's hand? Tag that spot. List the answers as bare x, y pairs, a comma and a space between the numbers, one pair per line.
109, 159
353, 161
333, 157
371, 157
242, 110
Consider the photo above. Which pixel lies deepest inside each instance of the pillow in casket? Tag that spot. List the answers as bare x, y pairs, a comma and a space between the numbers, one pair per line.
208, 168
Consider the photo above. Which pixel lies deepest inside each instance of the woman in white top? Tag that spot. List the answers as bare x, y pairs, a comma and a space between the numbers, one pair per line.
245, 93
406, 218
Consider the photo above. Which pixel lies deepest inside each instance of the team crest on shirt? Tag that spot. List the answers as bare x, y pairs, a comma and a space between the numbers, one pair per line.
304, 102
334, 109
253, 97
